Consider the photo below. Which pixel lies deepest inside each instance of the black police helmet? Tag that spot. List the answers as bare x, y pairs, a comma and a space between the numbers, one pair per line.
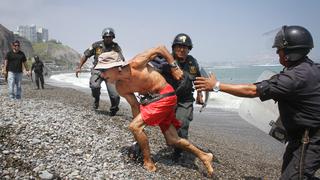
108, 32
293, 37
36, 57
182, 39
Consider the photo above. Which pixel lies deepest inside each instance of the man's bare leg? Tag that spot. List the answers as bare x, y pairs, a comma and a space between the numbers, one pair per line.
136, 127
172, 138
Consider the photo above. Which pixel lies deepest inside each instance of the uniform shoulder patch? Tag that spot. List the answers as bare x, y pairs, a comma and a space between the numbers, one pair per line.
97, 44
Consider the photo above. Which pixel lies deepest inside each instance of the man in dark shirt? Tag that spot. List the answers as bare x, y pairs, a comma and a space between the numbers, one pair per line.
37, 67
14, 62
97, 48
297, 90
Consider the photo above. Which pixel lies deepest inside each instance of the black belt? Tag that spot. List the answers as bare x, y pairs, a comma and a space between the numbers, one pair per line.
149, 98
314, 132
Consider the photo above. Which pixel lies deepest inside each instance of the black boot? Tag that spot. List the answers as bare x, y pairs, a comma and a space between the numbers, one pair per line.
96, 104
134, 151
114, 111
176, 155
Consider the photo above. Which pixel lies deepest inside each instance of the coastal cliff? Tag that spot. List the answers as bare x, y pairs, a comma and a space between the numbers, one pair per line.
54, 54
7, 36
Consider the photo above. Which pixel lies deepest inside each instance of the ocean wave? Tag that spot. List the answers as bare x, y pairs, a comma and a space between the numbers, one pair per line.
266, 65
223, 67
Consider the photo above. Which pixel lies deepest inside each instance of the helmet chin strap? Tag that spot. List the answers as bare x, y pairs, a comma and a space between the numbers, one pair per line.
295, 54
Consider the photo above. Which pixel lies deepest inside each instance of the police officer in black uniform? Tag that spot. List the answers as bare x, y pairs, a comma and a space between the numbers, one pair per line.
297, 91
37, 67
95, 50
181, 47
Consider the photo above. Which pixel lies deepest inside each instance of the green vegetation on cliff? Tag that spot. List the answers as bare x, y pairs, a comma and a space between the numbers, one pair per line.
44, 49
56, 54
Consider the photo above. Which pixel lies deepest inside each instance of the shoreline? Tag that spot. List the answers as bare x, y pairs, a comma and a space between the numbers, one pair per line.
97, 145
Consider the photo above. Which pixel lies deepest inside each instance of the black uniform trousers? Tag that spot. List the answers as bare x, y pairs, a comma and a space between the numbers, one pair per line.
95, 85
291, 159
39, 77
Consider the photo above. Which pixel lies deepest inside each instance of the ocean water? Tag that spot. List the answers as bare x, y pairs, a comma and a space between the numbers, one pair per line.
226, 74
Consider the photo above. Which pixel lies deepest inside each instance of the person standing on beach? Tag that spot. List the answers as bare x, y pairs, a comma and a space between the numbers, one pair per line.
37, 67
15, 61
297, 91
157, 100
97, 48
181, 47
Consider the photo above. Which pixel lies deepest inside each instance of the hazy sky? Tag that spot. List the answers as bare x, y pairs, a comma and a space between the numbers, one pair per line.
225, 30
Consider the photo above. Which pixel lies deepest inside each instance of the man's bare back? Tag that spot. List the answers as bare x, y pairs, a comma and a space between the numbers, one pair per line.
152, 81
143, 78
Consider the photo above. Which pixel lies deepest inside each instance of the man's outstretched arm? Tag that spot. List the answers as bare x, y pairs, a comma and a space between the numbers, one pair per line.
142, 59
83, 60
241, 90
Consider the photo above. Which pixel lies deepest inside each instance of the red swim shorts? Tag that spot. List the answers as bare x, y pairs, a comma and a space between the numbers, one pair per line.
162, 112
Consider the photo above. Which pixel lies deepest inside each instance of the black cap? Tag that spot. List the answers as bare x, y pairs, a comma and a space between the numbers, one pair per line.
182, 39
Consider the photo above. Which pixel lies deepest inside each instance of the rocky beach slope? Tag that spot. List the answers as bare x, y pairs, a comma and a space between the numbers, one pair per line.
54, 134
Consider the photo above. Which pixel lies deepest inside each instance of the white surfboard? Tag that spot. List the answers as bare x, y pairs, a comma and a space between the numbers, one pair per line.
262, 115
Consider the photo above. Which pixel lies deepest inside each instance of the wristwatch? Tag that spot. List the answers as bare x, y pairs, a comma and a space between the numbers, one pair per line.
173, 65
217, 87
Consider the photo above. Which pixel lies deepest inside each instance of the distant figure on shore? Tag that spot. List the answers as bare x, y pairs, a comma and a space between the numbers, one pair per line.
37, 67
157, 100
15, 61
297, 91
95, 50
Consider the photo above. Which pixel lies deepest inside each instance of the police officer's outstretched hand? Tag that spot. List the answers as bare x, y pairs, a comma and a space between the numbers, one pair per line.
205, 84
78, 70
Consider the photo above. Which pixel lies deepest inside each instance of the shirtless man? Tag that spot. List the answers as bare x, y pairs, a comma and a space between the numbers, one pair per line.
137, 76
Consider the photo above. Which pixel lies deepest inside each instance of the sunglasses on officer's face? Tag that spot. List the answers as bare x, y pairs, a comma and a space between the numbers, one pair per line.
16, 45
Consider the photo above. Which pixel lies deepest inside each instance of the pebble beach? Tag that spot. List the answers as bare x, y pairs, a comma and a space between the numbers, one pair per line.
54, 134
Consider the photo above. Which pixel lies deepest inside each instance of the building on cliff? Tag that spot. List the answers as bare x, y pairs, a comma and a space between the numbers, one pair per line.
33, 34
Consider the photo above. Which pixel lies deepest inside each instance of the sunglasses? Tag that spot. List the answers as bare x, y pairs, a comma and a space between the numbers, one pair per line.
16, 45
